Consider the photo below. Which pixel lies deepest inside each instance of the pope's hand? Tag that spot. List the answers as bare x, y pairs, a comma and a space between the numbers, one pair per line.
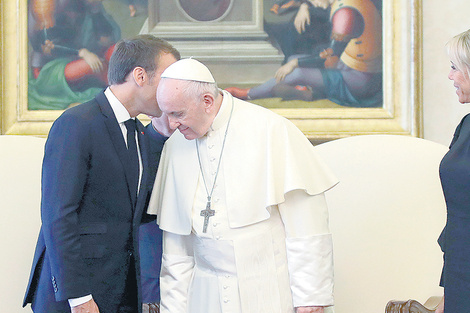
161, 124
87, 307
309, 309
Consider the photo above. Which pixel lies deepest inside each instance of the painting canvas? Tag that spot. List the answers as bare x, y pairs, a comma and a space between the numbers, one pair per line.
70, 42
63, 46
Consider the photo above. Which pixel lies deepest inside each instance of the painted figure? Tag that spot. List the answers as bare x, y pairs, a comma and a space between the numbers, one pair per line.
295, 33
348, 71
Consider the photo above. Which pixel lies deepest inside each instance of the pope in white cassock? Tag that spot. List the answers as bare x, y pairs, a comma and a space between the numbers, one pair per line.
240, 196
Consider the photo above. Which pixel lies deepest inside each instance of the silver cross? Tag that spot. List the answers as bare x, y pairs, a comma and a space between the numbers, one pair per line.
207, 213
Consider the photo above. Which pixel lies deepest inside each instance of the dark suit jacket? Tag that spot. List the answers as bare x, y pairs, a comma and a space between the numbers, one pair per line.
89, 234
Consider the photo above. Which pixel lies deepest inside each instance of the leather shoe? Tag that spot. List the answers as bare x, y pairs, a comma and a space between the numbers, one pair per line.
240, 93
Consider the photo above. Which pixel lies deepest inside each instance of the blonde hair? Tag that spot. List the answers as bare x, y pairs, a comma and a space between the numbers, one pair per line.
458, 49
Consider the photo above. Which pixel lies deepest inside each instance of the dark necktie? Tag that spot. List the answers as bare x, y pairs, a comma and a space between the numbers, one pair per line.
133, 156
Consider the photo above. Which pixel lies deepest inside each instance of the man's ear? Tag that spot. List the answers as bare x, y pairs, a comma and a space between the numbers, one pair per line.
139, 76
208, 101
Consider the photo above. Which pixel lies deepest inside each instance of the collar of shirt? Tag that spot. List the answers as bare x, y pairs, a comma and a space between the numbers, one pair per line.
123, 115
223, 115
119, 110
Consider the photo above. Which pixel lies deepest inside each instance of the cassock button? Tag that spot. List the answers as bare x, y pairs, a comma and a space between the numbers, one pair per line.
226, 300
225, 287
210, 146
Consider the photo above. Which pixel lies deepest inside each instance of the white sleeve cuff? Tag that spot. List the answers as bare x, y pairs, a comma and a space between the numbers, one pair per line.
175, 277
310, 262
77, 301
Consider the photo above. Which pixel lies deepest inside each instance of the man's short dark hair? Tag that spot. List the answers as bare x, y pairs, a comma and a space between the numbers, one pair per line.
137, 51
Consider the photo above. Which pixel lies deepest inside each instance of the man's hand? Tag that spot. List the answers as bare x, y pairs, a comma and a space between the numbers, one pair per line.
302, 18
309, 309
286, 69
87, 307
162, 125
91, 59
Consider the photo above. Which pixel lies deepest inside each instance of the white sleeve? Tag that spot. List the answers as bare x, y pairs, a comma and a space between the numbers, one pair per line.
176, 273
78, 301
309, 248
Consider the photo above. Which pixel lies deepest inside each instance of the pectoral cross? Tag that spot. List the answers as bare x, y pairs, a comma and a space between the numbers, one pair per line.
207, 213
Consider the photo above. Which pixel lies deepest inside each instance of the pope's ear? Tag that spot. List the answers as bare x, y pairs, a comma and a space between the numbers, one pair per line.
208, 100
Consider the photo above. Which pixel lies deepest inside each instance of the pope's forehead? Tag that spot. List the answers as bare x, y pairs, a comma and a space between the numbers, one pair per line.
166, 87
170, 94
169, 84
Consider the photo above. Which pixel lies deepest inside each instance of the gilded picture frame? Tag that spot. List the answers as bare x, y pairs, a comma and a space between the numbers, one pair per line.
401, 113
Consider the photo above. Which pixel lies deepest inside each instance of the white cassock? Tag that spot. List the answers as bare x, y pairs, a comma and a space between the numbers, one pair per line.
268, 247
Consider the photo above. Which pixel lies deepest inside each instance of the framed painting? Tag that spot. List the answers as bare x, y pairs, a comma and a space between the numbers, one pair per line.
238, 40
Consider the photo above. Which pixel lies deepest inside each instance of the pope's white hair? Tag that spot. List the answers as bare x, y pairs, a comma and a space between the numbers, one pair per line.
196, 89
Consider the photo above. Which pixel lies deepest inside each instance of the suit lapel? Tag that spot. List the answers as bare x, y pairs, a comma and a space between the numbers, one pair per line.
116, 136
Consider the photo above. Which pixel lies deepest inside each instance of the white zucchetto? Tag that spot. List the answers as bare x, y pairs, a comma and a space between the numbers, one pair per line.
189, 69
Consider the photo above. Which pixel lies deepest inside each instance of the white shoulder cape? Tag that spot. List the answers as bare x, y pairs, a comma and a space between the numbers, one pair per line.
265, 157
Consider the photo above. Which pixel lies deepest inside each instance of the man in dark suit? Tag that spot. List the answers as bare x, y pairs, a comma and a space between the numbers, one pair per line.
95, 186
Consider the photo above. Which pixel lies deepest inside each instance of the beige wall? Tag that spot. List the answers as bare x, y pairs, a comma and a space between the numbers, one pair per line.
441, 109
